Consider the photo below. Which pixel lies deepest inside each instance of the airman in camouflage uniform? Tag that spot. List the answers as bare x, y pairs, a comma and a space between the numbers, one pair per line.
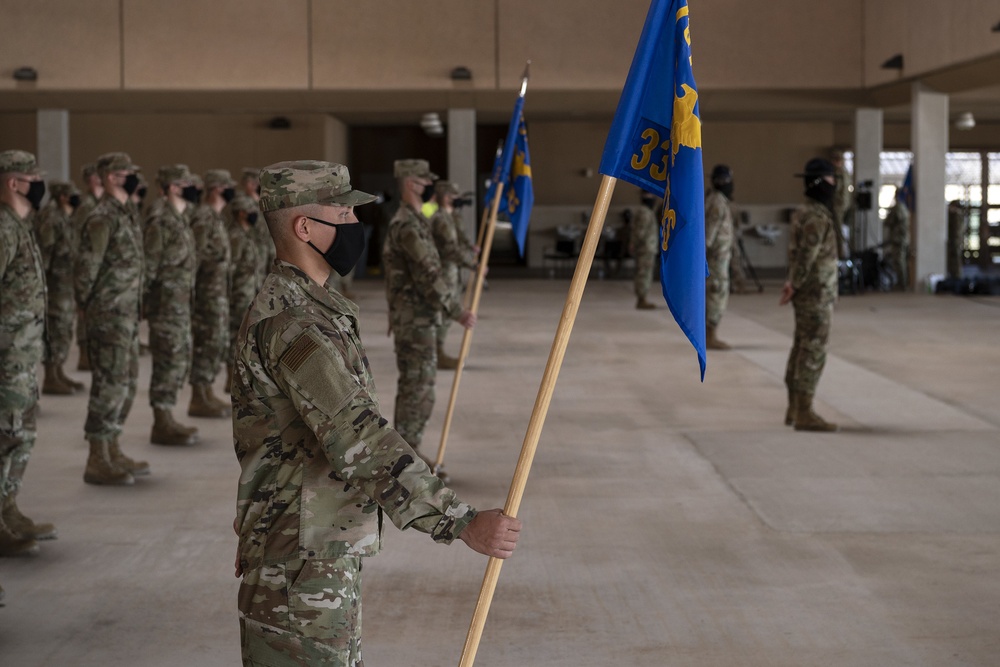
320, 465
419, 298
170, 264
896, 231
248, 268
108, 285
456, 252
22, 327
93, 194
250, 183
644, 241
812, 289
718, 251
210, 315
56, 243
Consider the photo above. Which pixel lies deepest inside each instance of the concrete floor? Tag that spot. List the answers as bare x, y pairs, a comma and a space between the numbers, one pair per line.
667, 522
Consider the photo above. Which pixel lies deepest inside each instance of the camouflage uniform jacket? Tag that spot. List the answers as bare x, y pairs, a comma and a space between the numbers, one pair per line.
170, 262
214, 254
812, 250
414, 284
22, 297
248, 265
718, 227
897, 225
87, 204
108, 273
54, 232
319, 462
645, 233
454, 248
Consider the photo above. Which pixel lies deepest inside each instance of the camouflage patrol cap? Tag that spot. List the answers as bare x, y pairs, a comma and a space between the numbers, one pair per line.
114, 162
301, 182
59, 189
243, 203
418, 168
250, 172
446, 188
173, 173
197, 182
219, 178
88, 170
18, 162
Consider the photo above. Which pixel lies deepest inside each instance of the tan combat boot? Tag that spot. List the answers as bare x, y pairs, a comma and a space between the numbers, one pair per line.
53, 384
77, 386
13, 544
444, 361
225, 406
201, 405
167, 432
187, 430
124, 462
806, 419
790, 412
84, 363
100, 468
22, 525
642, 304
712, 342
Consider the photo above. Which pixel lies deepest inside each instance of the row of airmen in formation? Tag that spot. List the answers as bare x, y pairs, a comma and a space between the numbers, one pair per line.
102, 258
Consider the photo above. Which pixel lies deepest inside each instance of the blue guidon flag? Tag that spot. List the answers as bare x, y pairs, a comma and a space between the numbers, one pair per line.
655, 144
513, 168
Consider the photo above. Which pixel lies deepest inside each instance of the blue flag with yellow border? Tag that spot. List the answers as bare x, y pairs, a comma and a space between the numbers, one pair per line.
514, 164
655, 144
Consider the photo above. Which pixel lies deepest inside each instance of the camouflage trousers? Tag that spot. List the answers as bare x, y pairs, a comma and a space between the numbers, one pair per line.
812, 330
170, 346
302, 612
895, 258
645, 262
210, 333
114, 359
716, 291
737, 275
60, 310
18, 424
416, 360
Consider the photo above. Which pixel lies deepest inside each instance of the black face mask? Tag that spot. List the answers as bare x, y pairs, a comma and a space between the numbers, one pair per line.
726, 189
228, 194
822, 192
35, 193
258, 190
74, 201
252, 218
131, 184
141, 193
347, 246
190, 193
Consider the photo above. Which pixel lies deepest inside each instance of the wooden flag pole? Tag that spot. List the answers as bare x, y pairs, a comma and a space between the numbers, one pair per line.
583, 265
473, 306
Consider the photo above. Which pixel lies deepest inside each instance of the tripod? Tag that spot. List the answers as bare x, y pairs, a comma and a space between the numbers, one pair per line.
747, 265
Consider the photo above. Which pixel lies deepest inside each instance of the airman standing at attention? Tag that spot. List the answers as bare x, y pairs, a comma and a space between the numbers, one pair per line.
718, 251
170, 265
108, 285
418, 298
957, 225
56, 243
250, 183
248, 268
210, 313
456, 252
22, 325
896, 231
93, 194
812, 289
321, 467
644, 242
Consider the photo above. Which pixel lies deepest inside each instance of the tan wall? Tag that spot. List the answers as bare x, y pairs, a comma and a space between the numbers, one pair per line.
202, 141
402, 44
19, 131
218, 45
930, 34
72, 44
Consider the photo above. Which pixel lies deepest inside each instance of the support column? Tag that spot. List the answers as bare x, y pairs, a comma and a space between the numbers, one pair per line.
53, 143
462, 160
334, 140
929, 138
867, 149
